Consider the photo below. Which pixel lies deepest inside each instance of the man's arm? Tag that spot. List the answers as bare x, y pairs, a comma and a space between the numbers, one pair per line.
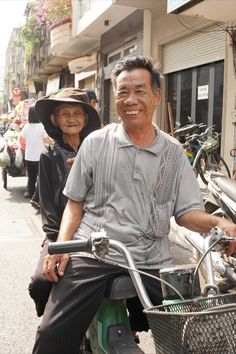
71, 219
201, 222
55, 265
198, 221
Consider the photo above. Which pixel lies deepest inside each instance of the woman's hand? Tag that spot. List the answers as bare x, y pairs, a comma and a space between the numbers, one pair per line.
54, 266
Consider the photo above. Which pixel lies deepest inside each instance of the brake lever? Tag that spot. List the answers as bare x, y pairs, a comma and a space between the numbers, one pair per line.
100, 243
223, 237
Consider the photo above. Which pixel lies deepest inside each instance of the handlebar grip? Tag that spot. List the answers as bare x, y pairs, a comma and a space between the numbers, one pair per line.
69, 246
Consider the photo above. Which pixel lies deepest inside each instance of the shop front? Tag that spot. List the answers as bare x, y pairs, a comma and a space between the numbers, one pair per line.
194, 72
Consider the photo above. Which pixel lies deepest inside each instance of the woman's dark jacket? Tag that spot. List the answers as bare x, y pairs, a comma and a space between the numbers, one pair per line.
53, 173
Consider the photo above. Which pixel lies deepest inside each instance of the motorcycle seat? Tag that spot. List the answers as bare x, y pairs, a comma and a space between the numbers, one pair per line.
120, 288
228, 186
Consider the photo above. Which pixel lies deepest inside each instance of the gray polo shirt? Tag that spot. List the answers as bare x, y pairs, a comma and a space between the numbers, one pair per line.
132, 192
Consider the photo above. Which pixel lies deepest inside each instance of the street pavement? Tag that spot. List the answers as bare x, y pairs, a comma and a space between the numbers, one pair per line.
20, 239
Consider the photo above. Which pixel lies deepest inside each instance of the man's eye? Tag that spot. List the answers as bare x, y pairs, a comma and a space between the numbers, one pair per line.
122, 93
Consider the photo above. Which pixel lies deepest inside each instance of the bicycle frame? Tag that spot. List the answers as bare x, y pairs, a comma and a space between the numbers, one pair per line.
99, 244
223, 268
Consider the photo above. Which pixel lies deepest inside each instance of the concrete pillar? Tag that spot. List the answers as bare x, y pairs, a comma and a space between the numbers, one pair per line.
147, 30
228, 140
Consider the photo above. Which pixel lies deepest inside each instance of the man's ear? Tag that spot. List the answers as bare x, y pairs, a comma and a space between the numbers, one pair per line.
157, 97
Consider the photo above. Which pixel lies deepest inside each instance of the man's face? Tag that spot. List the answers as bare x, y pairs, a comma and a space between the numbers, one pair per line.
134, 99
70, 118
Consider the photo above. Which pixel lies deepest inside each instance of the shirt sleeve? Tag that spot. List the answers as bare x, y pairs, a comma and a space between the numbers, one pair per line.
188, 190
44, 133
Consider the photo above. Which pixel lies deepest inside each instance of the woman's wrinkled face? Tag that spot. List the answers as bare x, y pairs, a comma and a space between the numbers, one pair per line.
70, 118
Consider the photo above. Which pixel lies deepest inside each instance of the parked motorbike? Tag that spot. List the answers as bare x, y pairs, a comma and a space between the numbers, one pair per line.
183, 132
178, 326
221, 201
223, 191
12, 160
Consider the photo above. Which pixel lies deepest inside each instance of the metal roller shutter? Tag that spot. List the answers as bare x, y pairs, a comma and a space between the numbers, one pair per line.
197, 49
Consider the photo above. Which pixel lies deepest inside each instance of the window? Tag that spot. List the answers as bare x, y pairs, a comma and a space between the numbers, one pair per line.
202, 94
218, 94
172, 94
198, 93
186, 96
120, 53
130, 50
114, 57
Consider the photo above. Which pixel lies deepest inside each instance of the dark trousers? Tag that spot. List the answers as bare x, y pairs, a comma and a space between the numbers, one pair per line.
74, 301
32, 171
40, 287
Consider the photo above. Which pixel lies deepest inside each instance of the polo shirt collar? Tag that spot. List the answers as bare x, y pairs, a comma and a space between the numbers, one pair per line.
124, 140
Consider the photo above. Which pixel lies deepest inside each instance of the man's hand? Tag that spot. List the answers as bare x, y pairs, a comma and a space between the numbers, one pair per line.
54, 266
230, 228
231, 248
200, 221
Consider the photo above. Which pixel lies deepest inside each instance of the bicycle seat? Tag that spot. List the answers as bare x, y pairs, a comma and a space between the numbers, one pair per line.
120, 288
227, 185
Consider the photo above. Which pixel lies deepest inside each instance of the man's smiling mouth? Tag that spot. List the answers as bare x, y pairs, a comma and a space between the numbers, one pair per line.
132, 113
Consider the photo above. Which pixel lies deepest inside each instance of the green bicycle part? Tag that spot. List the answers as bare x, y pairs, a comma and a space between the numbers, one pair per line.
110, 313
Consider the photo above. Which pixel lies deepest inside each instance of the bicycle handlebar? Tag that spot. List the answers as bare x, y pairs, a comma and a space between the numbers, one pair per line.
70, 246
98, 244
201, 135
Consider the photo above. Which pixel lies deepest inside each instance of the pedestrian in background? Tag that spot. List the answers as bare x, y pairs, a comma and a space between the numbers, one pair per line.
35, 137
91, 97
93, 100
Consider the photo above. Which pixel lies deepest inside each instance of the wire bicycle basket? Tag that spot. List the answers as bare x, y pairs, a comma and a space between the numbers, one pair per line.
202, 326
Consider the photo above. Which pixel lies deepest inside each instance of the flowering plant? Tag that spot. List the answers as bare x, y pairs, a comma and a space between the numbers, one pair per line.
49, 12
31, 34
41, 15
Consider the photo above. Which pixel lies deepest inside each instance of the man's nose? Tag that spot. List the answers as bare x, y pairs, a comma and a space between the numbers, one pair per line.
131, 98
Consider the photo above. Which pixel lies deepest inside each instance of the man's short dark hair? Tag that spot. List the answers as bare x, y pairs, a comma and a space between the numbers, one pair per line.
139, 62
91, 94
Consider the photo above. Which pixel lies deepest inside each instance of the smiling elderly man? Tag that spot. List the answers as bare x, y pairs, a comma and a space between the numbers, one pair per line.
128, 179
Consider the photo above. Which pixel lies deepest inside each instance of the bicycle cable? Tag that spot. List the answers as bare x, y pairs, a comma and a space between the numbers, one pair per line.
200, 262
114, 263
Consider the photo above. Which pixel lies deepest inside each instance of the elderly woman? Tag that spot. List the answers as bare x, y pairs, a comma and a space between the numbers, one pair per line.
68, 119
